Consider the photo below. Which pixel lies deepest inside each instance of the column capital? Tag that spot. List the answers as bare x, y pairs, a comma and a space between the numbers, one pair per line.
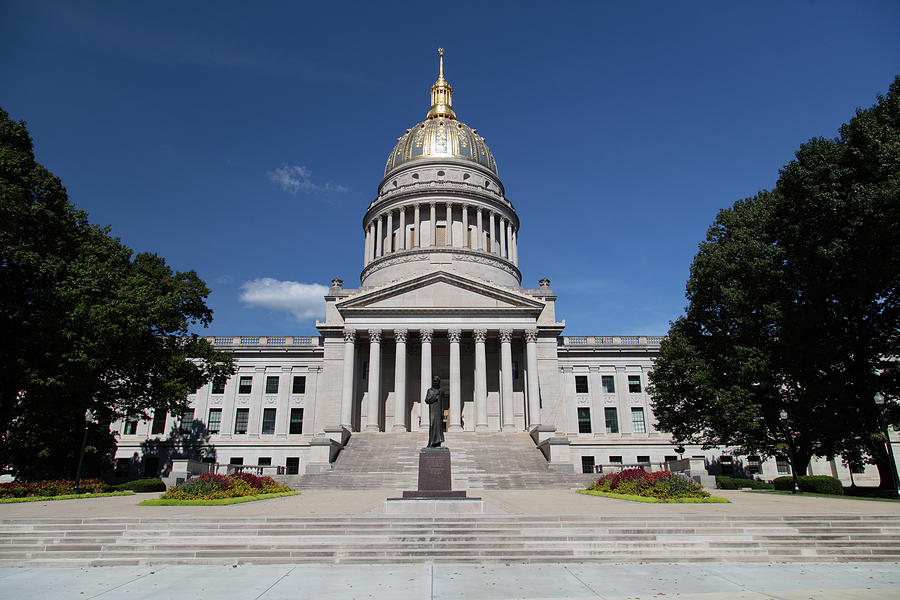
400, 335
426, 334
454, 335
349, 335
480, 335
531, 335
375, 335
432, 204
506, 335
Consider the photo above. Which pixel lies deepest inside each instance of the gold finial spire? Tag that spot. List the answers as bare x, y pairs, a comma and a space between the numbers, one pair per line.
441, 95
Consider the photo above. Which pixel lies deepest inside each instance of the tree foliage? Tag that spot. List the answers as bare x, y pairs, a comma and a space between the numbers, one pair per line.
794, 304
86, 323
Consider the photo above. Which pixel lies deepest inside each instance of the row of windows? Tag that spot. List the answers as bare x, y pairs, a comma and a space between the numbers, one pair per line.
611, 419
151, 465
588, 464
607, 384
214, 422
245, 384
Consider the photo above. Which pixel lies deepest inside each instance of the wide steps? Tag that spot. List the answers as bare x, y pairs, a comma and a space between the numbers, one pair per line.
483, 538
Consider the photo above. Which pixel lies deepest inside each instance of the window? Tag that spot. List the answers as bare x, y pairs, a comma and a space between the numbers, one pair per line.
670, 458
187, 420
783, 465
584, 419
634, 384
151, 466
296, 420
299, 386
612, 419
241, 416
159, 422
637, 420
515, 369
365, 373
215, 420
440, 235
581, 384
236, 460
123, 465
272, 384
268, 423
292, 465
727, 463
608, 383
587, 464
245, 385
754, 465
643, 460
130, 427
615, 460
218, 386
264, 461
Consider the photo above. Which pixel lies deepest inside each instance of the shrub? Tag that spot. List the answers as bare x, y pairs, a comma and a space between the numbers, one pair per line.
213, 487
152, 484
28, 489
819, 484
661, 484
724, 482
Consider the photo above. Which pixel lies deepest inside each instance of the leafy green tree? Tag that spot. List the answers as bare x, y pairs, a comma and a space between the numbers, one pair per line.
793, 305
86, 324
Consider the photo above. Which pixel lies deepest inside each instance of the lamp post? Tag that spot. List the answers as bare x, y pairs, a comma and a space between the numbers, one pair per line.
783, 414
88, 419
879, 401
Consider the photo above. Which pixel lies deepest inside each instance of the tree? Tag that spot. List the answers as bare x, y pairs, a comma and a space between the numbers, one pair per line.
793, 305
86, 324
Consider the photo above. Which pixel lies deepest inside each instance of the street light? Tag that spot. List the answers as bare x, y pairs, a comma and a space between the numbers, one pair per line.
879, 401
783, 414
88, 419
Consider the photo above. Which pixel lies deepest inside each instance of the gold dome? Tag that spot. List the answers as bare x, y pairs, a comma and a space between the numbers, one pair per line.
440, 135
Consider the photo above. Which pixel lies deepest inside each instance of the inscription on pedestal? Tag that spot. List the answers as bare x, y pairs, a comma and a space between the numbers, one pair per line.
434, 469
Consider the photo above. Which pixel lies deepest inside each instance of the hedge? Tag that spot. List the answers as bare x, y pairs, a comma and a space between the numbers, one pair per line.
820, 484
724, 482
151, 484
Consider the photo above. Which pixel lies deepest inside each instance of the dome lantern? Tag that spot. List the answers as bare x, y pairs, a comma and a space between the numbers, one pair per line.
441, 95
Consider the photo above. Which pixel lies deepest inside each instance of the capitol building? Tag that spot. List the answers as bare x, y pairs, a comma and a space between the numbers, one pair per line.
440, 294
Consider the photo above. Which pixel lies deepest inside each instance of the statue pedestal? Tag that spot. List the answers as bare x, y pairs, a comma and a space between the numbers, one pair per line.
434, 494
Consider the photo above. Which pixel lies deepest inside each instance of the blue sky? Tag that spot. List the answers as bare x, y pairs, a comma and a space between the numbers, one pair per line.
245, 140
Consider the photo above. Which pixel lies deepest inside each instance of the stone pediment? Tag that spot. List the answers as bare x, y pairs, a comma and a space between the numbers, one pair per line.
440, 292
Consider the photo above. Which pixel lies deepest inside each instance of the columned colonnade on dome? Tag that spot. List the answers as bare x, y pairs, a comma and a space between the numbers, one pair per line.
375, 395
481, 228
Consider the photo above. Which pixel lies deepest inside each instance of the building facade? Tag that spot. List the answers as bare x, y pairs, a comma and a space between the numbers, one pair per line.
440, 294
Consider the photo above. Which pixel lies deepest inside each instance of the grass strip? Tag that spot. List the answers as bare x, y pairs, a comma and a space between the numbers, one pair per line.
818, 495
650, 499
214, 502
63, 497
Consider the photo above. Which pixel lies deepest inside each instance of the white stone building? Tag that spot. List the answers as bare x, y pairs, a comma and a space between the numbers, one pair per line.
440, 294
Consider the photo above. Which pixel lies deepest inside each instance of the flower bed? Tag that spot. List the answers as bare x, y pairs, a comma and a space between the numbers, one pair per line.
662, 485
44, 489
217, 487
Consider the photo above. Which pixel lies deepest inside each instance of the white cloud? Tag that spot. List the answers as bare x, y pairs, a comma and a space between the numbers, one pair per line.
302, 300
297, 178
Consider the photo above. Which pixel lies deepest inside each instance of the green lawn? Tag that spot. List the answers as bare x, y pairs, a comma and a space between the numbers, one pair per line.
817, 495
217, 502
632, 498
63, 497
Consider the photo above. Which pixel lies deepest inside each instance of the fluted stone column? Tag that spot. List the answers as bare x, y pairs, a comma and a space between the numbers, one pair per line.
448, 239
389, 241
481, 422
400, 381
455, 423
465, 226
379, 237
347, 390
417, 240
534, 390
425, 335
509, 423
433, 237
366, 249
503, 238
374, 379
493, 248
515, 247
402, 229
479, 241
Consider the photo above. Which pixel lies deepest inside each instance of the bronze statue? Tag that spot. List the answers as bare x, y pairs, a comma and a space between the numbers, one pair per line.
433, 398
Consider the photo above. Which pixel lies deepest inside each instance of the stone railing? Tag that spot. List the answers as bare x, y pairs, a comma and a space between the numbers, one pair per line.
610, 340
279, 340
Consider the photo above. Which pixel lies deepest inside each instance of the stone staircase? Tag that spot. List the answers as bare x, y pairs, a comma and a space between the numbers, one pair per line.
390, 460
383, 539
